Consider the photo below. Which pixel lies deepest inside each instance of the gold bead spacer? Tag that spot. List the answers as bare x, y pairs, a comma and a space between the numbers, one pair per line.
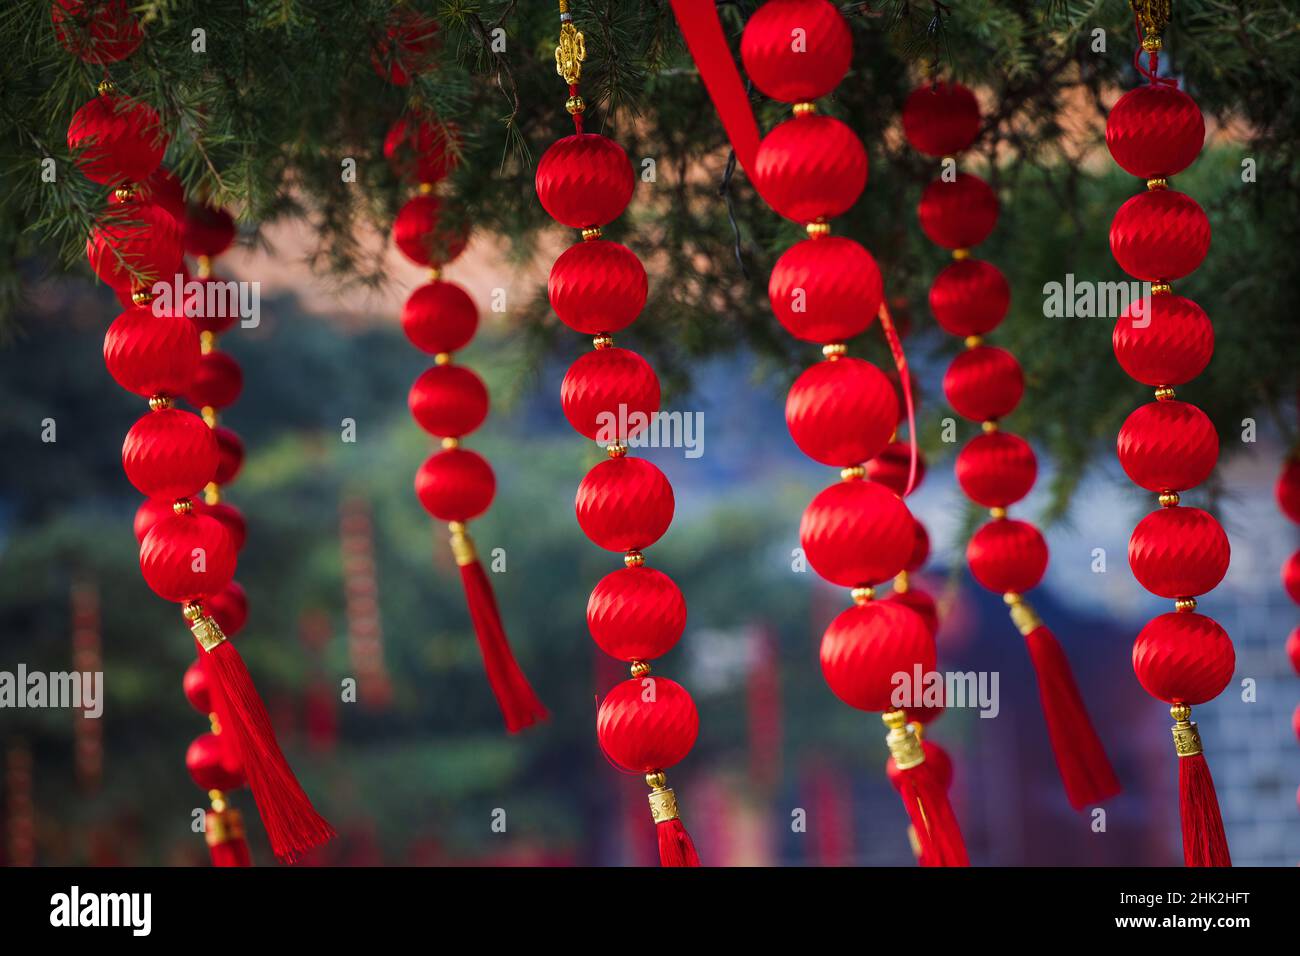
974, 341
804, 109
853, 473
209, 416
1164, 393
603, 341
216, 796
1162, 288
818, 229
862, 595
835, 350
591, 233
159, 402
182, 506
142, 297
997, 513
212, 493
207, 341
426, 188
450, 442
442, 358
902, 582
434, 273
124, 193
633, 559
1152, 44
1185, 605
1168, 499
204, 267
1157, 182
616, 449
960, 254
989, 427
640, 668
105, 87
575, 104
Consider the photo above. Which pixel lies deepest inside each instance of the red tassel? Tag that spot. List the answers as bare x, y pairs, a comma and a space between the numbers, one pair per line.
291, 822
1204, 842
226, 843
675, 845
937, 832
519, 705
1080, 756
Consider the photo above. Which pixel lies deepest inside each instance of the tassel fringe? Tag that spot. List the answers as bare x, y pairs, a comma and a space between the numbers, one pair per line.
675, 845
1204, 842
938, 834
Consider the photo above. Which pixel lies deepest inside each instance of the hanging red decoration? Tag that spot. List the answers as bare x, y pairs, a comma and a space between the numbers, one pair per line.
646, 724
229, 608
893, 467
867, 644
811, 168
826, 289
170, 455
857, 533
218, 381
800, 67
1179, 553
96, 31
208, 230
970, 298
449, 401
597, 287
841, 413
941, 119
1287, 490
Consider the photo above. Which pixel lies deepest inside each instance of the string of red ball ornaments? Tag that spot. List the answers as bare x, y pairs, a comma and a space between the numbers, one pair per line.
646, 724
1167, 446
1287, 492
449, 401
970, 298
170, 455
843, 411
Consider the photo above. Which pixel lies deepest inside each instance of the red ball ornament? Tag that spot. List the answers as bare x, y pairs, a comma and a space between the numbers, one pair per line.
455, 484
1163, 340
407, 47
1291, 576
208, 230
841, 412
810, 168
96, 31
1178, 552
1168, 446
1160, 235
825, 290
647, 724
584, 180
857, 533
796, 67
117, 140
1183, 658
211, 309
1007, 556
923, 604
169, 454
597, 287
150, 354
1287, 490
231, 518
422, 149
187, 557
197, 687
439, 317
624, 504
1155, 130
866, 645
229, 608
960, 213
984, 383
217, 382
149, 513
997, 469
636, 614
421, 236
1293, 650
941, 119
893, 465
203, 761
609, 394
448, 401
230, 454
145, 237
970, 297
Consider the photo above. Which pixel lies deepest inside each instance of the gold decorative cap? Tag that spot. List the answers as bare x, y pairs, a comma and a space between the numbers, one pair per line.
663, 802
